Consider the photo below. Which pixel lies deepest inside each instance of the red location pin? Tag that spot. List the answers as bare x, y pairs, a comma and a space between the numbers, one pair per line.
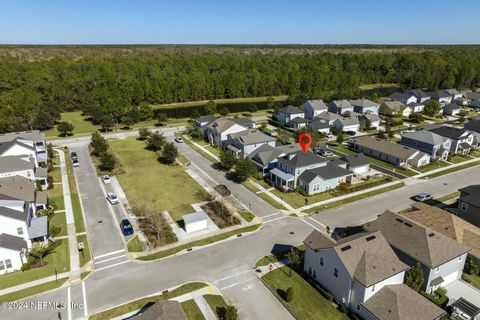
305, 140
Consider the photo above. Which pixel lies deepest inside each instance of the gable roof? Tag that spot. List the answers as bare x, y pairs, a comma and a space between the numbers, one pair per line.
318, 124
221, 124
251, 136
14, 214
386, 147
350, 121
355, 160
473, 125
363, 103
440, 94
17, 187
394, 106
399, 302
419, 93
452, 106
341, 104
428, 137
34, 135
12, 242
206, 118
367, 257
449, 132
447, 224
472, 95
372, 117
246, 122
330, 171
302, 159
290, 110
328, 116
317, 104
471, 195
266, 153
4, 146
421, 243
16, 163
299, 120
398, 96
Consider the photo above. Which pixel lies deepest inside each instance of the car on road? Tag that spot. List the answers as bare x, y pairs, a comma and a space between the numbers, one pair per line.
178, 140
112, 198
329, 135
106, 179
126, 227
73, 155
75, 162
325, 153
422, 197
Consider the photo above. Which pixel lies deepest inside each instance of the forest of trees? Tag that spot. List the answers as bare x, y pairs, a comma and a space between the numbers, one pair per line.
33, 93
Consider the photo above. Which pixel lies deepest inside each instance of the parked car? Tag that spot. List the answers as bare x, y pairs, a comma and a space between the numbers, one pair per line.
422, 197
178, 140
112, 198
73, 155
325, 153
75, 163
106, 179
329, 135
126, 227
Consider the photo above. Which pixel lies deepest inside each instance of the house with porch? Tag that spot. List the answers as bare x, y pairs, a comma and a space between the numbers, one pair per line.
288, 113
421, 95
324, 178
441, 258
451, 109
365, 106
373, 118
265, 157
245, 142
462, 140
435, 145
314, 107
365, 276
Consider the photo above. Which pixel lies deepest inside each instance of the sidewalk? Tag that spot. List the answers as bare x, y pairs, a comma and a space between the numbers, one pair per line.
445, 168
203, 149
33, 283
271, 195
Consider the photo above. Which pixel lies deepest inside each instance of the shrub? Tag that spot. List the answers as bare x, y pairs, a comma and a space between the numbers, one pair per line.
441, 300
25, 266
204, 195
50, 182
290, 294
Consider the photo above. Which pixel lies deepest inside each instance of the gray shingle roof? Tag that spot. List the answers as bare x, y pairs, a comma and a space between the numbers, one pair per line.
449, 132
33, 135
248, 137
328, 116
356, 160
207, 118
317, 104
341, 104
428, 137
398, 96
290, 110
4, 146
16, 163
348, 121
300, 159
17, 187
318, 124
418, 93
386, 147
473, 125
12, 242
363, 103
330, 171
372, 117
246, 122
14, 214
299, 120
471, 195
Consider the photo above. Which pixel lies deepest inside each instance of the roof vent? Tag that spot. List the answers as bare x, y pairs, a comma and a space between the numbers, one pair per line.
346, 248
371, 238
431, 234
399, 220
408, 224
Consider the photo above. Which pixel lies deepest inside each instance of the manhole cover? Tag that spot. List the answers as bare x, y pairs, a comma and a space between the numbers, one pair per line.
99, 221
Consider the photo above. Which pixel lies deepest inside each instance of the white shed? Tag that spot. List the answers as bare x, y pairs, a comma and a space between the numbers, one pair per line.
195, 221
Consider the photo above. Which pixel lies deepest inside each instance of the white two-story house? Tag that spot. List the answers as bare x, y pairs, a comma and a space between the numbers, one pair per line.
218, 130
288, 113
364, 274
24, 143
462, 140
245, 142
314, 107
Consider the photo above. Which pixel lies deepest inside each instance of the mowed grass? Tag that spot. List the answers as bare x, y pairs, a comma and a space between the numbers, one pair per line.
168, 187
308, 302
216, 303
472, 279
84, 256
17, 295
76, 206
55, 197
80, 124
220, 101
192, 311
57, 225
450, 170
432, 166
134, 245
297, 200
58, 260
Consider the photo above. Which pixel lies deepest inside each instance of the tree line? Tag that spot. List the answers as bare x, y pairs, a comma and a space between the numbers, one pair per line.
116, 89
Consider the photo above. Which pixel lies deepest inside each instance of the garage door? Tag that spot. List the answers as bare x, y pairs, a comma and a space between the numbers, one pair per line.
450, 278
361, 170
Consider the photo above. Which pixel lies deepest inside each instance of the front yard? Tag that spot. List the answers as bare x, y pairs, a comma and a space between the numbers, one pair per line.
168, 187
432, 166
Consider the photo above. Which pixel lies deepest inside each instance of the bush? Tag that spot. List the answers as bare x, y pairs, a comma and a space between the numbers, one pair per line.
441, 300
25, 267
50, 182
290, 294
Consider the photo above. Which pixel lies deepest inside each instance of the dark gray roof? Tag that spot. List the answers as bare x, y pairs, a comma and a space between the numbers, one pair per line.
38, 227
16, 163
163, 309
14, 214
473, 125
301, 159
400, 96
472, 95
356, 160
246, 122
33, 135
17, 187
372, 117
330, 171
428, 137
299, 120
290, 110
208, 118
317, 104
348, 121
318, 124
251, 136
418, 93
8, 241
449, 132
341, 104
471, 195
467, 307
364, 103
440, 94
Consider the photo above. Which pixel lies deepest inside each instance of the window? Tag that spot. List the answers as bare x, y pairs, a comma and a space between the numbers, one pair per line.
309, 270
2, 266
437, 269
335, 272
314, 274
464, 206
358, 307
20, 231
460, 258
373, 288
322, 261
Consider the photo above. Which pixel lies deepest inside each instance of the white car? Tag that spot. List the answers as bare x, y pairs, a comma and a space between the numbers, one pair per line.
329, 135
75, 163
106, 179
423, 197
112, 198
178, 140
326, 153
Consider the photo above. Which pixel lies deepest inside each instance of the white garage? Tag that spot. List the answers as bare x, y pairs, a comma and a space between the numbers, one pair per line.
195, 221
357, 163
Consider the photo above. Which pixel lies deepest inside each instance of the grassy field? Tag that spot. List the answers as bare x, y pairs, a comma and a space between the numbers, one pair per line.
192, 311
140, 303
218, 101
247, 215
134, 245
168, 187
58, 260
450, 170
85, 256
17, 295
297, 200
354, 198
277, 257
56, 175
81, 125
57, 226
216, 303
308, 302
203, 242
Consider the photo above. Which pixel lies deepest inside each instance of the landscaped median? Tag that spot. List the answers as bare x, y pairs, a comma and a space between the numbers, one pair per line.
194, 145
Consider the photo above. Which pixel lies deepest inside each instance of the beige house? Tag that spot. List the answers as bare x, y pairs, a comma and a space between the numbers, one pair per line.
395, 108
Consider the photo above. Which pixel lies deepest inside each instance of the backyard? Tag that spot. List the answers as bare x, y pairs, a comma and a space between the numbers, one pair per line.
168, 187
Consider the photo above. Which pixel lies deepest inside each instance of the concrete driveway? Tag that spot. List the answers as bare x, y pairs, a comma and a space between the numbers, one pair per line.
460, 289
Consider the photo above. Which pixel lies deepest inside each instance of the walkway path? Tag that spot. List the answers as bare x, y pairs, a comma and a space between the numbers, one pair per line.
203, 149
271, 195
33, 283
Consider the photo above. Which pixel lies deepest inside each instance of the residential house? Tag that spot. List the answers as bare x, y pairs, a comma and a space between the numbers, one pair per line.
204, 120
329, 116
288, 113
451, 109
244, 122
421, 95
441, 258
448, 224
244, 142
435, 145
373, 118
404, 98
350, 124
18, 148
365, 106
416, 107
474, 127
33, 139
266, 157
462, 101
314, 107
472, 96
217, 131
395, 108
469, 204
13, 253
465, 310
22, 166
364, 274
454, 93
390, 152
340, 106
299, 122
23, 189
357, 163
324, 178
320, 125
462, 140
442, 97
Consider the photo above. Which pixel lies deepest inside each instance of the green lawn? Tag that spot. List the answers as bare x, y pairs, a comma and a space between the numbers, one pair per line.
55, 197
213, 150
57, 226
342, 148
56, 174
134, 245
85, 256
203, 242
250, 186
262, 183
276, 257
59, 259
17, 295
168, 187
187, 140
218, 101
216, 303
450, 170
432, 166
81, 125
263, 196
354, 198
247, 215
308, 303
456, 158
472, 279
475, 153
192, 311
297, 200
76, 206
